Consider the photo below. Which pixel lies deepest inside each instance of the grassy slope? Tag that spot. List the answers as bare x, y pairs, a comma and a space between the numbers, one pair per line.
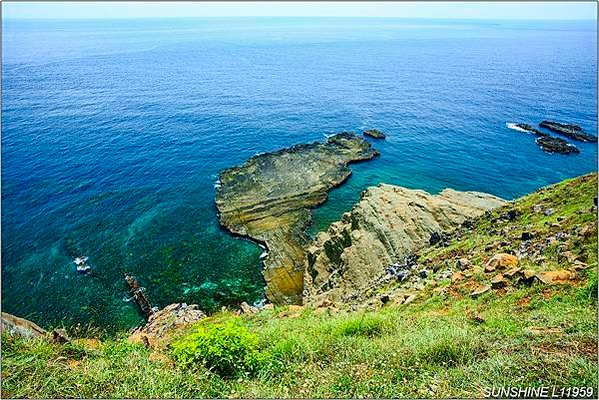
445, 344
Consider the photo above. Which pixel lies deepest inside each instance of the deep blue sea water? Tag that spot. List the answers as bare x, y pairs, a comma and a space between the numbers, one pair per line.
113, 133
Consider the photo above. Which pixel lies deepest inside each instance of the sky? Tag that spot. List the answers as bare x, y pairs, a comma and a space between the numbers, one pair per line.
448, 10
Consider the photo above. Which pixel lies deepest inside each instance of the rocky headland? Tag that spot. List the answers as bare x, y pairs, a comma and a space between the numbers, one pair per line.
268, 199
572, 131
388, 224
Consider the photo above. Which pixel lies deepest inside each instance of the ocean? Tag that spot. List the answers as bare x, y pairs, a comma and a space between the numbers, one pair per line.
114, 131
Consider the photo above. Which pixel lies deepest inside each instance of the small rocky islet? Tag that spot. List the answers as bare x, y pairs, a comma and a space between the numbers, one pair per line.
374, 133
572, 131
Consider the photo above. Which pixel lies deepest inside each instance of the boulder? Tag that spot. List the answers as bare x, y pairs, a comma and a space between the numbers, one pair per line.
502, 261
558, 277
60, 336
164, 322
499, 282
480, 290
462, 263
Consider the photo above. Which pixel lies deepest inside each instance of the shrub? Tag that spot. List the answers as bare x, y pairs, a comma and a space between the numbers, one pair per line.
226, 348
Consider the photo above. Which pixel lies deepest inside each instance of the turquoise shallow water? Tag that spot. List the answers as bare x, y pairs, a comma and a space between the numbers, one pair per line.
114, 133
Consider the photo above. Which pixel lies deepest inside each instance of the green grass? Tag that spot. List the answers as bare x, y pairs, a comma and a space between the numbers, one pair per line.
438, 346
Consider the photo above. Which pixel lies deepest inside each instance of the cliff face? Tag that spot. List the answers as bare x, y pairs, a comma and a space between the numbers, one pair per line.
388, 224
269, 198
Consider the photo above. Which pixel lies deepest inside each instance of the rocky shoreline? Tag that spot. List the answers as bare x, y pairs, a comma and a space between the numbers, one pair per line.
387, 225
268, 200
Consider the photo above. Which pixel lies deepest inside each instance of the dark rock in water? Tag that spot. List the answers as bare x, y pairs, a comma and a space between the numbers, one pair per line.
375, 133
269, 198
138, 294
572, 131
531, 129
552, 144
547, 142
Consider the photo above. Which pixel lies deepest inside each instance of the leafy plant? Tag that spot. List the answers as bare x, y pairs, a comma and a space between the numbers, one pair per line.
227, 348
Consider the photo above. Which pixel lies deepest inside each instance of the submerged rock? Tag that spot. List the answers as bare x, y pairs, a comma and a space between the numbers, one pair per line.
268, 199
572, 131
388, 224
375, 133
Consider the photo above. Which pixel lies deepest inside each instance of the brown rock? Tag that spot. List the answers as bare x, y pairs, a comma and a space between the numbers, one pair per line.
164, 322
60, 336
502, 261
247, 309
512, 272
480, 290
526, 277
498, 282
462, 263
16, 326
409, 299
457, 276
558, 277
489, 268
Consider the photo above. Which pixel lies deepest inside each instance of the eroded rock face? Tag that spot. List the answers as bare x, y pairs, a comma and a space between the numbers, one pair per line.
164, 322
388, 224
269, 198
16, 326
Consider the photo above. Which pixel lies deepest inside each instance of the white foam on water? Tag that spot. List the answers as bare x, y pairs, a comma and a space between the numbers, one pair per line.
515, 127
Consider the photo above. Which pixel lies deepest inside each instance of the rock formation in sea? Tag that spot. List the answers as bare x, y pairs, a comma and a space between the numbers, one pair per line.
388, 224
572, 131
374, 133
268, 199
552, 144
547, 142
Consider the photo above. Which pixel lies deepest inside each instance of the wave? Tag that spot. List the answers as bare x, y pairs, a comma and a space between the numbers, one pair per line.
514, 126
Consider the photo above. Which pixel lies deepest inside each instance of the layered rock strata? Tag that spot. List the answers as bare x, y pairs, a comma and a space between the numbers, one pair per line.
268, 199
388, 224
